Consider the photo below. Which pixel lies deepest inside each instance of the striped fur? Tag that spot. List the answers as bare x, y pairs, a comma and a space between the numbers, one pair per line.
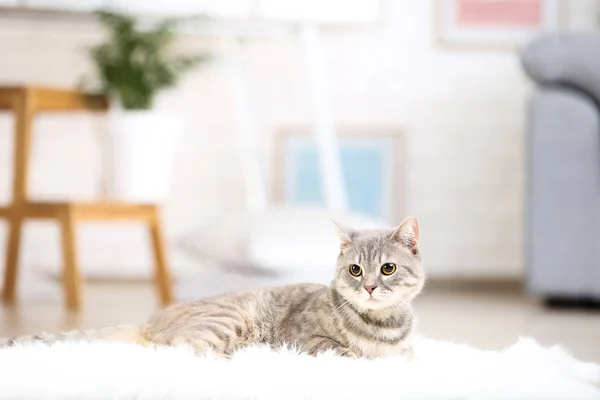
343, 317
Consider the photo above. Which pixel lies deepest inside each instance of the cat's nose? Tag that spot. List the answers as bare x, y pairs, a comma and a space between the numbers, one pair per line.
370, 289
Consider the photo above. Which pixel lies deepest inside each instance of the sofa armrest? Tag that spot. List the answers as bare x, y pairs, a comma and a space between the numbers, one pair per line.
565, 59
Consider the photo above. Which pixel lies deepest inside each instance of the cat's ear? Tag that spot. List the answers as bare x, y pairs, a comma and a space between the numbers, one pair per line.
344, 233
407, 233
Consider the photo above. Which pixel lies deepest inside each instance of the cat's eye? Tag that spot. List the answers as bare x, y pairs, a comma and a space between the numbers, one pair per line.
388, 268
355, 270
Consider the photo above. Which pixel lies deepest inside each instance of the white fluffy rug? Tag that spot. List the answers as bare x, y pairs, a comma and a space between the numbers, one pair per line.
442, 370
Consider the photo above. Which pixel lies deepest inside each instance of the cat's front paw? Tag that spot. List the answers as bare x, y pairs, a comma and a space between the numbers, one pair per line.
348, 353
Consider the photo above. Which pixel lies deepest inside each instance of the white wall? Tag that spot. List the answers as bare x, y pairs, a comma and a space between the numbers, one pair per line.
463, 113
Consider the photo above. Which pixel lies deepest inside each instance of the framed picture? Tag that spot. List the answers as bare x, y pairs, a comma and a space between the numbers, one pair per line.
500, 24
372, 165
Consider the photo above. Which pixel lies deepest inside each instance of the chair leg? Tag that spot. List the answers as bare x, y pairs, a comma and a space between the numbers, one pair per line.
12, 258
71, 277
162, 273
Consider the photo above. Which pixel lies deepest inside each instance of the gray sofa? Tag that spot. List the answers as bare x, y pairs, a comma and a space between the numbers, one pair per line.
563, 168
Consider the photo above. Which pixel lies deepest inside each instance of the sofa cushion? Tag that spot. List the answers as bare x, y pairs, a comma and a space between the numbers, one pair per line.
567, 59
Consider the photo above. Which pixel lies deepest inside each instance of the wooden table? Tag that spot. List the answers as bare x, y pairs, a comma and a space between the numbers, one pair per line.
25, 102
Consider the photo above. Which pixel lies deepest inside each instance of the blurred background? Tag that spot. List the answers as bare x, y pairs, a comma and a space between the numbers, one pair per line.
251, 123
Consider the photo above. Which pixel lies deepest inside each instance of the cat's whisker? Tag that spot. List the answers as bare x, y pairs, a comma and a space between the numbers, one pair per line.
406, 309
339, 307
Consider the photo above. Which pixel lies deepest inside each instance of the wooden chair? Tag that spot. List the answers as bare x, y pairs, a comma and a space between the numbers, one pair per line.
25, 102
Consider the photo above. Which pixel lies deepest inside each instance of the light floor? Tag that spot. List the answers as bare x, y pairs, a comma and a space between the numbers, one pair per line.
489, 319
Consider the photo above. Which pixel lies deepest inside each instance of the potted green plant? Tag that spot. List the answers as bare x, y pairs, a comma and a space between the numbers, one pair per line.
133, 65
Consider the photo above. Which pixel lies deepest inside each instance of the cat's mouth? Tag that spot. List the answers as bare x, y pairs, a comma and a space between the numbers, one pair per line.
375, 302
378, 301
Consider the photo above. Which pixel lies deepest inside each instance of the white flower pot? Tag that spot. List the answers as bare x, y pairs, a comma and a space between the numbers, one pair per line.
141, 153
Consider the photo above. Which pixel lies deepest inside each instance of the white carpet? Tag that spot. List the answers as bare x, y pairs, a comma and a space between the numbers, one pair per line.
442, 370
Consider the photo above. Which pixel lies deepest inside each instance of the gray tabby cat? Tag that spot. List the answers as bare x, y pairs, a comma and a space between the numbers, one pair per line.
365, 312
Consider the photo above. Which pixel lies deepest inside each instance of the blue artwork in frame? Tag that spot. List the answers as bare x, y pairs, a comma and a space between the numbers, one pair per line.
369, 165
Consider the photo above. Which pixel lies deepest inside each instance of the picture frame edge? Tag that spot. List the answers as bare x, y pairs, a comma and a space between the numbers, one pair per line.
395, 131
504, 47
